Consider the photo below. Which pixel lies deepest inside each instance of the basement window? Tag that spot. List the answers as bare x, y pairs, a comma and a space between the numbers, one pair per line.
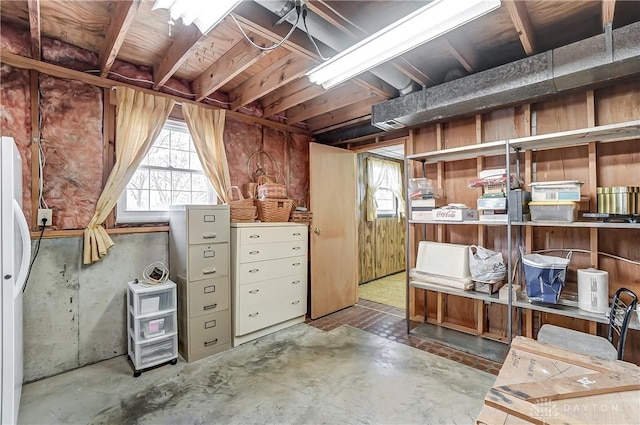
170, 174
386, 205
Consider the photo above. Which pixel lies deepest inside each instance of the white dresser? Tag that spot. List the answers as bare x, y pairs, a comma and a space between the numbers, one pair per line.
269, 278
199, 264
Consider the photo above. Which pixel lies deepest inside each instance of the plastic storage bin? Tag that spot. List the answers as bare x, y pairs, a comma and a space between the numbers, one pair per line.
544, 276
554, 211
556, 191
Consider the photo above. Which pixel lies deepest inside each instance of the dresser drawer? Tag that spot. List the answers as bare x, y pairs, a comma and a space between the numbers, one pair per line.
273, 291
255, 317
250, 253
210, 331
208, 226
265, 270
208, 296
207, 261
261, 235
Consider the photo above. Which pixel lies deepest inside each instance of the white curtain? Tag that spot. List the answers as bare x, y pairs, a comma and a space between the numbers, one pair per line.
394, 171
375, 177
207, 128
377, 170
140, 118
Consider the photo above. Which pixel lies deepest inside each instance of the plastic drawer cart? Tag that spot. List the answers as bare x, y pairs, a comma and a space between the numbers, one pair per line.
152, 325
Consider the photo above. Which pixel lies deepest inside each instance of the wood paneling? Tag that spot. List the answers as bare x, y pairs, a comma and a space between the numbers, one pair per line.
381, 246
566, 112
618, 103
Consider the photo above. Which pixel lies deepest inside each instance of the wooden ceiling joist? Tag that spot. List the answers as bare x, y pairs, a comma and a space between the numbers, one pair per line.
332, 16
608, 11
239, 58
289, 96
34, 27
256, 19
271, 78
404, 66
121, 20
520, 17
336, 98
70, 74
463, 52
181, 49
337, 118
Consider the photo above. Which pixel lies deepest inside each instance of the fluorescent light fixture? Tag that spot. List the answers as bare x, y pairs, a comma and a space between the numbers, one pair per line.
425, 24
205, 14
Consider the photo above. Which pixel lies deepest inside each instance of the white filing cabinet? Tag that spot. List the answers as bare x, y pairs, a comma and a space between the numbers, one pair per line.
269, 277
152, 325
199, 263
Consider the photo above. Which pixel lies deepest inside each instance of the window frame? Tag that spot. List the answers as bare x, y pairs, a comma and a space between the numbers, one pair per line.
158, 216
393, 212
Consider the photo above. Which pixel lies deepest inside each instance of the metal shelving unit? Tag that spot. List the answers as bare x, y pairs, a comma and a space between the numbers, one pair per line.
601, 134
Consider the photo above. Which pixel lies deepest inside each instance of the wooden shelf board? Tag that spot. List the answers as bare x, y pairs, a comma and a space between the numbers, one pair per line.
464, 152
476, 222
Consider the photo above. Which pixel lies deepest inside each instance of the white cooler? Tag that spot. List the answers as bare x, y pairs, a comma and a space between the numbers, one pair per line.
444, 259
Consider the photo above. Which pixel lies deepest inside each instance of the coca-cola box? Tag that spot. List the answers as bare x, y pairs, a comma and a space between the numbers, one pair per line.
451, 214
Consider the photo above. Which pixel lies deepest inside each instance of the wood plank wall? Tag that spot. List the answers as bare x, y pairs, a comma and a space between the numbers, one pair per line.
380, 242
614, 164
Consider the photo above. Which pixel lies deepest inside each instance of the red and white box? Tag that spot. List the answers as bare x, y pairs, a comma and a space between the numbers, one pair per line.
454, 214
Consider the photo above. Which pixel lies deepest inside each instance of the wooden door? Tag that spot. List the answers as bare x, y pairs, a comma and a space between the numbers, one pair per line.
334, 240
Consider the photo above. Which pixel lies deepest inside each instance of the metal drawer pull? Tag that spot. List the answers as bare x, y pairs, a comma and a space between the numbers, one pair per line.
254, 252
210, 307
295, 282
295, 264
295, 302
254, 314
254, 270
254, 236
208, 271
254, 291
296, 248
296, 234
210, 343
209, 253
210, 289
208, 218
209, 235
210, 324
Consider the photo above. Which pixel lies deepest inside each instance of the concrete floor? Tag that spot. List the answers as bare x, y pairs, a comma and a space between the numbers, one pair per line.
301, 375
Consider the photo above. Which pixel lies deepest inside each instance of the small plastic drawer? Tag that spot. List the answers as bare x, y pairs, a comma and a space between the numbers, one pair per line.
565, 212
147, 354
153, 302
153, 327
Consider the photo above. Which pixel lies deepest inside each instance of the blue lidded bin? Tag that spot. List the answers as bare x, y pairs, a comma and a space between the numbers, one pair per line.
544, 276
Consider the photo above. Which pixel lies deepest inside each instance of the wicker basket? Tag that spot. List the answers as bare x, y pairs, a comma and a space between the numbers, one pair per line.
267, 189
301, 217
243, 214
270, 210
241, 201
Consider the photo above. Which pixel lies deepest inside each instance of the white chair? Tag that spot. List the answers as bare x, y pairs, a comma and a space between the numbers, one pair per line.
593, 345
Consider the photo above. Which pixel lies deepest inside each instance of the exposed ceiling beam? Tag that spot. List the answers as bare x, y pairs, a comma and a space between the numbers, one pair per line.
34, 28
299, 91
258, 20
336, 98
463, 52
123, 16
181, 49
70, 74
608, 11
404, 66
269, 79
329, 14
340, 117
343, 124
239, 58
520, 17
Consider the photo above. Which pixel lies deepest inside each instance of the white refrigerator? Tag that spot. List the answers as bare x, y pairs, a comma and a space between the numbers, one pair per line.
15, 253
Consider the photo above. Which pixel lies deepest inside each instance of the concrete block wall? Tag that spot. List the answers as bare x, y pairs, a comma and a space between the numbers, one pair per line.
74, 314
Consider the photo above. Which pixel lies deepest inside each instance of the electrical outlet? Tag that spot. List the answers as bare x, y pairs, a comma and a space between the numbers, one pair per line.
45, 214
